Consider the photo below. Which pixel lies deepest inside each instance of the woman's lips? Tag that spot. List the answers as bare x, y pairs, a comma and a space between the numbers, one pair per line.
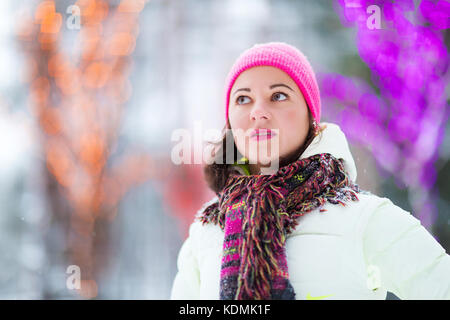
262, 134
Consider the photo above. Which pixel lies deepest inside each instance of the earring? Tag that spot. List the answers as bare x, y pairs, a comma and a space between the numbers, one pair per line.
315, 127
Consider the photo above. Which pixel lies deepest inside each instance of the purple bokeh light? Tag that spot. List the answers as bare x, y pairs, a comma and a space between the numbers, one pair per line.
402, 121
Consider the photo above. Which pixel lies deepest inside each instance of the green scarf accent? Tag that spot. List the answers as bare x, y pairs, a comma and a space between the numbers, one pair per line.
244, 164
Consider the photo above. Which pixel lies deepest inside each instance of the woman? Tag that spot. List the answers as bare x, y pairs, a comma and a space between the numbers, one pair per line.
302, 229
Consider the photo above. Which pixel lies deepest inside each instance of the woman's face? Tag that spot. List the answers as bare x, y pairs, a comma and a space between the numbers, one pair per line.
265, 97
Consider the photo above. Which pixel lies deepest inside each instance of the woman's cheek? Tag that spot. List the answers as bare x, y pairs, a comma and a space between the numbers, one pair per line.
284, 146
237, 120
290, 141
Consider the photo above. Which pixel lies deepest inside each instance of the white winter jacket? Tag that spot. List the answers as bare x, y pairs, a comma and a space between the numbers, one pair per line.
359, 251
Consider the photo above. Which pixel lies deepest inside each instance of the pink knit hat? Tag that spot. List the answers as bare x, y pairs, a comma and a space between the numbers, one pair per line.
285, 57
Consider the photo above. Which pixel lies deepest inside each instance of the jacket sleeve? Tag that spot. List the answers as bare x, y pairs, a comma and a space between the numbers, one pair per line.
410, 262
186, 285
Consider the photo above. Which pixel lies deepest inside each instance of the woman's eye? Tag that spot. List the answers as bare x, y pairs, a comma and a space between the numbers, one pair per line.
241, 99
277, 96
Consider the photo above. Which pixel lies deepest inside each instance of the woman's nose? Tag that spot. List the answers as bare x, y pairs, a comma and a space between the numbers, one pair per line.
260, 111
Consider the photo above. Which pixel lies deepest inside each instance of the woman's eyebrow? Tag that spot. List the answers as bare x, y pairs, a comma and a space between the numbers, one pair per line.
271, 87
280, 85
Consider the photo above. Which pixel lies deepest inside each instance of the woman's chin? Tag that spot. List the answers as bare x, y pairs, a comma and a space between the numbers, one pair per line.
264, 165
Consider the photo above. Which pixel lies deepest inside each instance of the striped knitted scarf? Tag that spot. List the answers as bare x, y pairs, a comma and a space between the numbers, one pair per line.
257, 212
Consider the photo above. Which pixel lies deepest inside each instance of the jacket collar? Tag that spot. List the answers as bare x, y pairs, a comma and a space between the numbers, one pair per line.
333, 141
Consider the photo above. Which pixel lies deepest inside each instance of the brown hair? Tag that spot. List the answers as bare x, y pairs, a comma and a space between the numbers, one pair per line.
217, 173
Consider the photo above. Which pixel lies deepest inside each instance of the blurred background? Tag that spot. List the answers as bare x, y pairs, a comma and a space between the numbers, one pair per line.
91, 92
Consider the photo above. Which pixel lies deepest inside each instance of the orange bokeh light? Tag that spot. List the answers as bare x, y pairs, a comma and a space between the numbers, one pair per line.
96, 74
50, 121
59, 162
122, 44
44, 9
93, 11
40, 90
51, 23
88, 289
92, 149
131, 6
